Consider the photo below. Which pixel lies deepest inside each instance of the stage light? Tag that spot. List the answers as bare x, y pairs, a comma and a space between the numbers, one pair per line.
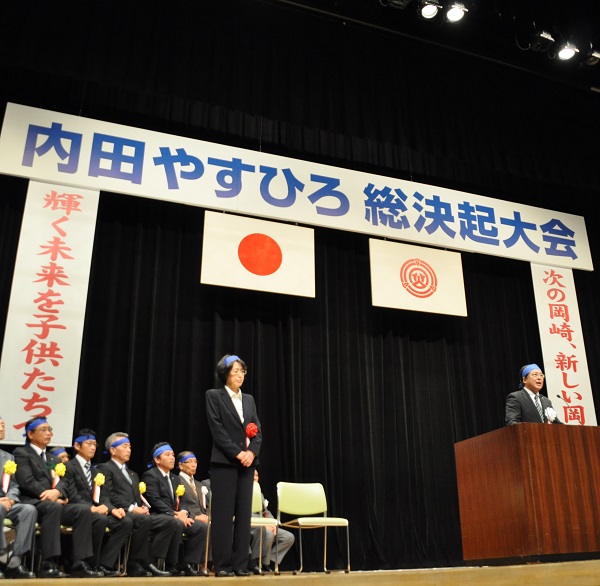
428, 9
455, 12
566, 51
399, 4
592, 58
541, 42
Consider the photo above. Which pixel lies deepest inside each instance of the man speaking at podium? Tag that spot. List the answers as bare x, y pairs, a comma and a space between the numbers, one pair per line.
527, 405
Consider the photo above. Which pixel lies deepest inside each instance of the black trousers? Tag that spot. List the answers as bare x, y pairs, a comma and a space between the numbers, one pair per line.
50, 517
231, 487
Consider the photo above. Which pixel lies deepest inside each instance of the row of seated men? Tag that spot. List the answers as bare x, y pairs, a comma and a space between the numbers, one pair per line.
108, 506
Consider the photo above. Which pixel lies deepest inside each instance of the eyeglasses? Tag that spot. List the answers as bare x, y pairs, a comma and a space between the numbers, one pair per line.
45, 429
237, 371
537, 374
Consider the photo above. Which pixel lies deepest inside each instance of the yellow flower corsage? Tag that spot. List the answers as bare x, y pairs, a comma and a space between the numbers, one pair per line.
60, 469
99, 479
180, 490
142, 487
10, 467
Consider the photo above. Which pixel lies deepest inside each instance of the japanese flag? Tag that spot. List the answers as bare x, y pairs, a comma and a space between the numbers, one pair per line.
416, 278
246, 253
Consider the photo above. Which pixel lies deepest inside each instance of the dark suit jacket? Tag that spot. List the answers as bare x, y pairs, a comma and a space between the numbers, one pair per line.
521, 409
158, 493
13, 487
228, 432
33, 476
78, 484
116, 490
195, 505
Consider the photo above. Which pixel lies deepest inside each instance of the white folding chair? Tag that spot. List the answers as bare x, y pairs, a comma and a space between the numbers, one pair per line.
260, 521
301, 499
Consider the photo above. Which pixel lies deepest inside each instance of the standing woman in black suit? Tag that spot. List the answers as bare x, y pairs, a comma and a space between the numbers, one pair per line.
236, 434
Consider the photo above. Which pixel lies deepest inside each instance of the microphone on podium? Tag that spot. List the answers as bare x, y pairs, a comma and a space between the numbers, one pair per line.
564, 400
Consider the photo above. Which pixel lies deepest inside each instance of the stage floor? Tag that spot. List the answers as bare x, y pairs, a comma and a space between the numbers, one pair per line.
582, 573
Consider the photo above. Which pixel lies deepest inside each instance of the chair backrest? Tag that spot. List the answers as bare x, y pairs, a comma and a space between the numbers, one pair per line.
301, 498
257, 503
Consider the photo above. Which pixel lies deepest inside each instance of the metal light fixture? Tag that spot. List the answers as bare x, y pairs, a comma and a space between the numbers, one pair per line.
399, 4
592, 58
541, 42
455, 12
567, 51
429, 9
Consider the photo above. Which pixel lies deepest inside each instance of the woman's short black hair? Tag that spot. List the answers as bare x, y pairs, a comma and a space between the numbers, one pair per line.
225, 365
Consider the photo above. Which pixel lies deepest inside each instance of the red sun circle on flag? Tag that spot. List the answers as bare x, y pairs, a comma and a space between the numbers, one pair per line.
260, 254
418, 278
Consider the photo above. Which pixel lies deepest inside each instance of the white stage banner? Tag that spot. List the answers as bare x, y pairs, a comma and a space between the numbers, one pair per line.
247, 253
42, 343
565, 361
73, 150
416, 278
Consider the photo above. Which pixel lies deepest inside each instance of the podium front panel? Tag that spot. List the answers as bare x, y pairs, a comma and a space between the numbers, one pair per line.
529, 489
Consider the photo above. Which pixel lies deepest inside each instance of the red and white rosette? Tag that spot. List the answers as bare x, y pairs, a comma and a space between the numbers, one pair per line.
251, 431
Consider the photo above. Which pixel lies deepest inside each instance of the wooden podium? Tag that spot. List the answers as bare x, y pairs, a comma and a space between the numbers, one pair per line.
529, 489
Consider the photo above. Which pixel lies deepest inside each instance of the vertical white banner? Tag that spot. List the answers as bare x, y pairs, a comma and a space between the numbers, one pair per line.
565, 361
41, 352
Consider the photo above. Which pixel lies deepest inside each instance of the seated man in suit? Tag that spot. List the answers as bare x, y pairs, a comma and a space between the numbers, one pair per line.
285, 540
528, 405
23, 517
60, 453
164, 498
196, 498
41, 485
81, 475
122, 491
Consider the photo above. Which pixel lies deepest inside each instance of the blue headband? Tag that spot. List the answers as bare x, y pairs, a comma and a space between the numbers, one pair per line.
121, 440
160, 450
231, 359
83, 438
57, 451
529, 368
35, 424
185, 458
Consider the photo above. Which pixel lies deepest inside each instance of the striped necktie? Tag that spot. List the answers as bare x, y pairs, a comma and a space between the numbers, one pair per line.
88, 474
539, 407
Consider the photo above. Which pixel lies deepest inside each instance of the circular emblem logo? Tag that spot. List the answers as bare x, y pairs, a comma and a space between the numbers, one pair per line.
418, 278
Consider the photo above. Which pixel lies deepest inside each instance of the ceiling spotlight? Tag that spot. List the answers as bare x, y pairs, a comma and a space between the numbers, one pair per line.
566, 51
541, 42
429, 8
592, 58
399, 4
455, 12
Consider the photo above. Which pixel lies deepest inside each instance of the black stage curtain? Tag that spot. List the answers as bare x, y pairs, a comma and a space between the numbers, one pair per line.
368, 401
